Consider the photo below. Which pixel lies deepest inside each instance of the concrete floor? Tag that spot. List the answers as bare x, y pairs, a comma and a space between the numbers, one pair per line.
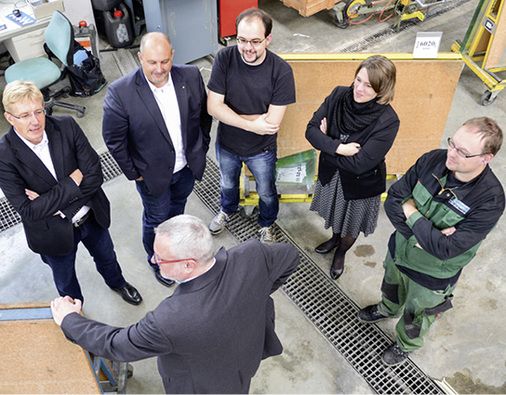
467, 346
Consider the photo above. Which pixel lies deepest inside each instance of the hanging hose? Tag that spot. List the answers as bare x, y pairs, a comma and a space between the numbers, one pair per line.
372, 13
365, 20
383, 10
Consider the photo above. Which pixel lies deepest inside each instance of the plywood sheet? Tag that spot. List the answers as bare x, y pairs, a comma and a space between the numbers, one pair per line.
38, 359
496, 54
424, 94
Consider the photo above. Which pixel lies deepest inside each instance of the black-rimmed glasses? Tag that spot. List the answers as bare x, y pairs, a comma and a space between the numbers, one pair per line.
451, 145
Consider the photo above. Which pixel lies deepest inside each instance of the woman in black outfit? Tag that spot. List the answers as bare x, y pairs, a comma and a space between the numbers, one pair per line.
354, 129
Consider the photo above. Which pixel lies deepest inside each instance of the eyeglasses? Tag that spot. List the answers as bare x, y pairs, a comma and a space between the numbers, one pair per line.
461, 153
172, 260
27, 116
255, 42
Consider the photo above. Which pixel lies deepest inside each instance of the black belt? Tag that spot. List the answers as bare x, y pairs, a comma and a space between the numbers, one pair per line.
82, 220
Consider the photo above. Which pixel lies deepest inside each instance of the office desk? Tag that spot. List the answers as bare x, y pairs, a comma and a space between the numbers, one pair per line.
18, 30
22, 42
27, 42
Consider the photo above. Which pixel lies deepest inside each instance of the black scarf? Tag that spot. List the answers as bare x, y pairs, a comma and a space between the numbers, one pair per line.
352, 117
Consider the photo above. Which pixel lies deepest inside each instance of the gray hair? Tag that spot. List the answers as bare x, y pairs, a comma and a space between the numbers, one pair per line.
189, 237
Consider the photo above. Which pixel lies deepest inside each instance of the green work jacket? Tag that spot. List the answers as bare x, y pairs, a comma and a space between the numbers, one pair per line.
473, 208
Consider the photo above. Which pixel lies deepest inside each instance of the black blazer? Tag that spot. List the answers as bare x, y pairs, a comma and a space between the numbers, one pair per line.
20, 168
212, 333
135, 133
363, 174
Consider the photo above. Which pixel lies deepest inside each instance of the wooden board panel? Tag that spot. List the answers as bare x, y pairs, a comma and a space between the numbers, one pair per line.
496, 54
424, 94
38, 359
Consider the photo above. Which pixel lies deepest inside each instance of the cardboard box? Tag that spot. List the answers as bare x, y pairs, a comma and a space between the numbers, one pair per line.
45, 8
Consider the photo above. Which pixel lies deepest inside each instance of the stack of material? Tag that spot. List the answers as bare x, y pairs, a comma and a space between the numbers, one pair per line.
310, 7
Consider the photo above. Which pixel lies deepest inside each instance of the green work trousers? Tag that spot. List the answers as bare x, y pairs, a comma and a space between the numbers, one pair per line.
419, 307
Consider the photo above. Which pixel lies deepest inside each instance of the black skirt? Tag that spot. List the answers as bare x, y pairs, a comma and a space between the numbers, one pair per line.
345, 216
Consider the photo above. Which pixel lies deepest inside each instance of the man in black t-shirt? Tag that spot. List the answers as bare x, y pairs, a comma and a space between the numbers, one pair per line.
249, 90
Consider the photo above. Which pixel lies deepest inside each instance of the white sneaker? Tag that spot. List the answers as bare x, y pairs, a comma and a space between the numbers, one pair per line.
218, 223
267, 235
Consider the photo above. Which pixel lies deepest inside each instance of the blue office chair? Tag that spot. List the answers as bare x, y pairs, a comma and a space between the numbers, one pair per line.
59, 37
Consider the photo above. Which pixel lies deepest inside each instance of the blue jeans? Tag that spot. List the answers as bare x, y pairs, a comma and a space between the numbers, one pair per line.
98, 242
263, 168
158, 209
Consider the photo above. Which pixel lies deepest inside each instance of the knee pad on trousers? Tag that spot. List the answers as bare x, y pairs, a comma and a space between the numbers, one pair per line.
413, 330
390, 291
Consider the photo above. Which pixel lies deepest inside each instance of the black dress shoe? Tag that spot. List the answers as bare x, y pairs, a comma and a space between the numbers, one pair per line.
324, 248
337, 267
162, 280
336, 273
129, 294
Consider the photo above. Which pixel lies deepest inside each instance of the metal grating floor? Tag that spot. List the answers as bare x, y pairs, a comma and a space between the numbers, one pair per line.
328, 308
9, 217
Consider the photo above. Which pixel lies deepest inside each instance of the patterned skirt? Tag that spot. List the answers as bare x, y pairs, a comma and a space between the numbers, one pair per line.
345, 216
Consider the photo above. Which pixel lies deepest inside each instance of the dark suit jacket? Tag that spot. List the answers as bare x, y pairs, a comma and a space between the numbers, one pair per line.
212, 333
20, 168
136, 135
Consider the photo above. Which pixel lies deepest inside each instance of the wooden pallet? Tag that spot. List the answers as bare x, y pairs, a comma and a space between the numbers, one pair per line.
310, 7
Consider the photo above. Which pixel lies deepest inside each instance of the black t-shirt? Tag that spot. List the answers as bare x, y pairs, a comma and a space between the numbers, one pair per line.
250, 90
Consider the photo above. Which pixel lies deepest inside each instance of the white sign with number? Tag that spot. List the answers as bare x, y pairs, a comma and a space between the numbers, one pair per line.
427, 44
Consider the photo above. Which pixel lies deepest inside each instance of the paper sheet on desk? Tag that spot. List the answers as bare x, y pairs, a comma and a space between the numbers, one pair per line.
22, 20
3, 26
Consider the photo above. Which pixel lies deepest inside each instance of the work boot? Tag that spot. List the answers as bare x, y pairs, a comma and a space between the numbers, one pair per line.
371, 314
393, 355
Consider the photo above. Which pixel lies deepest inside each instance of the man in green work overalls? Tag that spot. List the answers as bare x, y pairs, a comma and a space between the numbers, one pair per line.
442, 209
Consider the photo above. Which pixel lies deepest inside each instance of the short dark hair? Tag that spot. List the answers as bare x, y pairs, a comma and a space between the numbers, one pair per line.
382, 75
490, 131
258, 13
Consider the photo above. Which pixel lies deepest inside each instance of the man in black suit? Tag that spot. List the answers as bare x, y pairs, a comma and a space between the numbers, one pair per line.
217, 326
157, 128
52, 176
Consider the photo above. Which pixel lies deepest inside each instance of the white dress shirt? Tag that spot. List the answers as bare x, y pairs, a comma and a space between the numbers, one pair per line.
167, 103
42, 152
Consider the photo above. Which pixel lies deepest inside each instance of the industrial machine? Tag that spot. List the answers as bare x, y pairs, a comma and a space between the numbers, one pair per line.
484, 47
354, 12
